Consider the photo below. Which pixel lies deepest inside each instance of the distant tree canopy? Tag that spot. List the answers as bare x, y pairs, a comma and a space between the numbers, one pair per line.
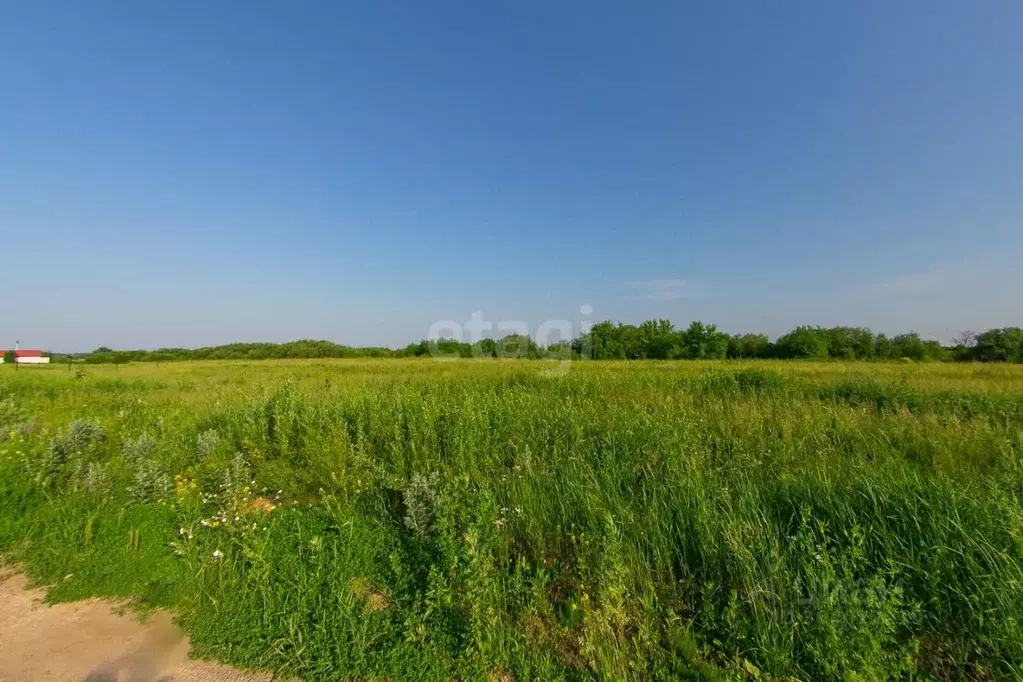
239, 351
997, 345
854, 343
748, 346
652, 340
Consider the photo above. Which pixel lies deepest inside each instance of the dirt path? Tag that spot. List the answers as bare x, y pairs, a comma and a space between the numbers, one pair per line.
86, 642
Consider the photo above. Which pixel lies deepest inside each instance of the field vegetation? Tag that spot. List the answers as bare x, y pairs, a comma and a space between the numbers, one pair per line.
488, 519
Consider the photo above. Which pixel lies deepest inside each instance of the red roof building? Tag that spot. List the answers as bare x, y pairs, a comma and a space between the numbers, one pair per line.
26, 356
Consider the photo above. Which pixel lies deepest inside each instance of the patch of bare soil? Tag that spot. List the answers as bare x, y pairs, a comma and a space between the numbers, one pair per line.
87, 642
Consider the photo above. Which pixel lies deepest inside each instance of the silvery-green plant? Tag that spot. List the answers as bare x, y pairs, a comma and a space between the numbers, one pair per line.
236, 481
151, 482
422, 497
45, 466
141, 448
22, 430
206, 444
9, 416
90, 477
80, 435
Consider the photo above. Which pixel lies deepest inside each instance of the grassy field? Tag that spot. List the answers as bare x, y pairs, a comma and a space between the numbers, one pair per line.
420, 519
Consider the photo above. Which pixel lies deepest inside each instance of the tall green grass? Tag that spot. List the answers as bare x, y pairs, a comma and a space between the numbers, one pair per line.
435, 520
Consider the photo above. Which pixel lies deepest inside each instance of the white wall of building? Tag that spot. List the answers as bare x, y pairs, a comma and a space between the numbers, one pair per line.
32, 361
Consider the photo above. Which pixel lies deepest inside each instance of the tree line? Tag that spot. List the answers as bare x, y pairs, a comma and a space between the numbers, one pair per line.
659, 339
652, 339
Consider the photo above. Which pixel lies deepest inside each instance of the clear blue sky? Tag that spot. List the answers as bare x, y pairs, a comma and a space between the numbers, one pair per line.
191, 173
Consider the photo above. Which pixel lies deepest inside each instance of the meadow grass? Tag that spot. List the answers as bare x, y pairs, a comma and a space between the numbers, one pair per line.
421, 519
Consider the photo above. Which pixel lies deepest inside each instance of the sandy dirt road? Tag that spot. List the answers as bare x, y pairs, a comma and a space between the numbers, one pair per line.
87, 642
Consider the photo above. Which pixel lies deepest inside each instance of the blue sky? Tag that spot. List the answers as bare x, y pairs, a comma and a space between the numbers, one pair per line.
186, 173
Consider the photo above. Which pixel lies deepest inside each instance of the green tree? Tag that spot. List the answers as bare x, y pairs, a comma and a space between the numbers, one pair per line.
517, 346
803, 342
850, 343
604, 342
560, 350
998, 345
883, 347
449, 348
748, 346
701, 341
484, 348
659, 340
910, 346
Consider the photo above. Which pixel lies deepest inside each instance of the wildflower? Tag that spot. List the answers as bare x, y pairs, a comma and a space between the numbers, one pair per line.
217, 554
